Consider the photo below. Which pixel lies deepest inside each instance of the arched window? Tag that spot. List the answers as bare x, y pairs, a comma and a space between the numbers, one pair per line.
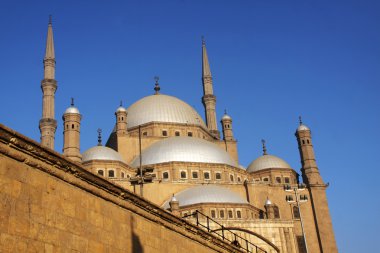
164, 133
308, 142
276, 212
72, 126
165, 175
221, 214
100, 172
231, 178
303, 141
183, 174
213, 214
111, 173
177, 133
296, 212
230, 214
206, 175
190, 134
239, 179
218, 176
122, 175
195, 174
122, 118
238, 214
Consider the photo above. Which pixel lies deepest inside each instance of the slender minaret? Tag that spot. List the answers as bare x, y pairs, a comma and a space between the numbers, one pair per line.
317, 191
208, 99
121, 120
71, 133
48, 124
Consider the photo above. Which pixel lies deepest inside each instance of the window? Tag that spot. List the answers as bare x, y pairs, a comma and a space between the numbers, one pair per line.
278, 180
72, 126
190, 134
183, 174
218, 176
165, 175
230, 214
221, 214
301, 244
101, 172
308, 142
238, 214
239, 179
231, 178
287, 180
303, 141
276, 212
164, 133
111, 173
213, 214
206, 175
177, 133
195, 174
296, 212
145, 133
265, 179
122, 118
122, 175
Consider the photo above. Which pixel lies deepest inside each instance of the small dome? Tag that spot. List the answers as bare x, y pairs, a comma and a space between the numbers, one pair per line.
184, 149
267, 162
206, 194
302, 127
72, 109
226, 117
121, 109
162, 108
101, 153
268, 202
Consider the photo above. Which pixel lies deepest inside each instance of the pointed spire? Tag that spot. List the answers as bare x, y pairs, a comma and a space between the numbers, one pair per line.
300, 119
49, 53
99, 137
157, 85
121, 103
206, 72
264, 147
72, 101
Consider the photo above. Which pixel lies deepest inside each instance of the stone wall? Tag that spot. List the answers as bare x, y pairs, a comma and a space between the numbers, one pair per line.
51, 204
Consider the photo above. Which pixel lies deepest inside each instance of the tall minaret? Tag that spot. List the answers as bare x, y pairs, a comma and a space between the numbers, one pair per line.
317, 191
48, 124
71, 133
208, 99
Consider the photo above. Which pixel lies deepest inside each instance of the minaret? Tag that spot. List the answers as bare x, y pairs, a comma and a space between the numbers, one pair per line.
227, 127
71, 133
48, 124
310, 171
317, 191
121, 120
208, 99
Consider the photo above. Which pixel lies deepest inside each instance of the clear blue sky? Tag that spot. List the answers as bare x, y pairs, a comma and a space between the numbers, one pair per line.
271, 61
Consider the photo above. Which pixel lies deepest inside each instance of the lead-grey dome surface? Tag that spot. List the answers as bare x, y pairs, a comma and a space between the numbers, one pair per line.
206, 194
162, 108
302, 127
72, 109
101, 153
184, 149
267, 162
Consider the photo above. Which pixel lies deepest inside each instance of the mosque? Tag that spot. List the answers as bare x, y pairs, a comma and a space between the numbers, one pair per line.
162, 148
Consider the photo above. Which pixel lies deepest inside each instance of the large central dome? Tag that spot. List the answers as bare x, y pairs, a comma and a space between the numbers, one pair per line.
184, 149
162, 108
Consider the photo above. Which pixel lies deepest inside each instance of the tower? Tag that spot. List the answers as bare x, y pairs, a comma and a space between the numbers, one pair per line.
121, 120
226, 121
208, 99
317, 190
48, 124
71, 133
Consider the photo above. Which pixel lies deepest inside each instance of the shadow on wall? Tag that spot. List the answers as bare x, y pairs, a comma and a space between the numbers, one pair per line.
136, 244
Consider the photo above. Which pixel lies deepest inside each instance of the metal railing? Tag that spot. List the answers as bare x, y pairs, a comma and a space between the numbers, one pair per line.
225, 234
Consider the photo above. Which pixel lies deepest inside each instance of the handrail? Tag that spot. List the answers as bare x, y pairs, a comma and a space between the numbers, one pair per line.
237, 241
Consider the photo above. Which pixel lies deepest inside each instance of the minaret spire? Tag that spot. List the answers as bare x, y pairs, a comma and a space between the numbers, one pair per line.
208, 99
48, 124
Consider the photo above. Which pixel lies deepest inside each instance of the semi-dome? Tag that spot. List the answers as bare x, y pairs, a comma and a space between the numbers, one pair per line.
162, 108
101, 153
184, 149
206, 194
72, 109
267, 162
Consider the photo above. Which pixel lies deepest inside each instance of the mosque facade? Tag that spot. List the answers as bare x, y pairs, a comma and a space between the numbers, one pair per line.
162, 148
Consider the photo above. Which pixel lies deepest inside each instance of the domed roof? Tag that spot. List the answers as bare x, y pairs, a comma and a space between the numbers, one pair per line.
72, 109
162, 108
206, 194
101, 153
121, 109
226, 117
184, 149
267, 162
302, 127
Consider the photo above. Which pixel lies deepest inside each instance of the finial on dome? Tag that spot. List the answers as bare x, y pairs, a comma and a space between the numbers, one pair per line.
203, 40
300, 119
264, 147
72, 102
121, 103
50, 18
225, 111
99, 137
157, 85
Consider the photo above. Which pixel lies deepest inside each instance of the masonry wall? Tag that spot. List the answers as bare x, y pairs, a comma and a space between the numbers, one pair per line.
50, 204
